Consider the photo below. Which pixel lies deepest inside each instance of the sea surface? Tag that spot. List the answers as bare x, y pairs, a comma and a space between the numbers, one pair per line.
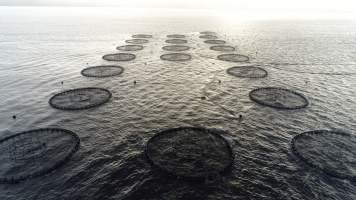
42, 47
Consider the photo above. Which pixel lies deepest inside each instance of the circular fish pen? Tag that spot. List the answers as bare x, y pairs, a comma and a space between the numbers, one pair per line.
147, 36
79, 99
176, 48
233, 58
137, 41
176, 36
222, 48
119, 57
279, 98
176, 41
247, 72
207, 33
176, 57
102, 71
214, 42
35, 153
209, 37
188, 152
130, 48
332, 152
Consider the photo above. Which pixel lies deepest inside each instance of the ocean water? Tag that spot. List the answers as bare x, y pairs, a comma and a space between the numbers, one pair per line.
42, 47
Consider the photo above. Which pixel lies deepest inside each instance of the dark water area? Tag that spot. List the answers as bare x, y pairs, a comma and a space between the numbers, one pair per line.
43, 51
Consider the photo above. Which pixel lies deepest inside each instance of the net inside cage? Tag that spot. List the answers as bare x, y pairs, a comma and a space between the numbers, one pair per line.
175, 36
214, 42
81, 98
222, 48
247, 72
35, 153
332, 152
233, 58
142, 36
118, 57
279, 98
130, 48
190, 152
137, 41
102, 71
176, 48
176, 41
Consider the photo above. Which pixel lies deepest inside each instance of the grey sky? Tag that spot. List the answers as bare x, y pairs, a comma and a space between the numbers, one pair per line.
269, 5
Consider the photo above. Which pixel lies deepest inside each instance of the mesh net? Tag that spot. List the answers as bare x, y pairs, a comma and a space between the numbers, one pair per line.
142, 36
209, 37
176, 41
233, 58
119, 57
332, 152
176, 36
247, 72
176, 48
176, 57
102, 71
137, 41
35, 153
190, 152
222, 48
130, 48
279, 98
81, 98
208, 33
214, 41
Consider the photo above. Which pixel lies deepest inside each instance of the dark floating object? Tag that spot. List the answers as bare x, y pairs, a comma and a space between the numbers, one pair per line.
176, 41
176, 48
189, 152
279, 98
14, 117
142, 36
176, 57
176, 36
233, 58
102, 71
35, 153
119, 57
81, 98
130, 48
332, 152
209, 37
214, 42
137, 41
247, 72
208, 33
222, 48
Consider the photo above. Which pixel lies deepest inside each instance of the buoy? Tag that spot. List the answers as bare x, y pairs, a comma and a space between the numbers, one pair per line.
14, 117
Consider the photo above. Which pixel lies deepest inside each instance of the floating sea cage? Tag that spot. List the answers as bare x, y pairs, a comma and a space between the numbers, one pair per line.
279, 98
176, 41
176, 36
176, 57
214, 41
102, 71
233, 58
130, 47
209, 37
222, 48
147, 36
247, 72
176, 48
35, 153
332, 152
207, 33
81, 98
119, 57
190, 152
137, 41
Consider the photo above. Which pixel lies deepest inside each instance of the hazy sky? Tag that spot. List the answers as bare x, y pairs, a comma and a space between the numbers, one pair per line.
296, 5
